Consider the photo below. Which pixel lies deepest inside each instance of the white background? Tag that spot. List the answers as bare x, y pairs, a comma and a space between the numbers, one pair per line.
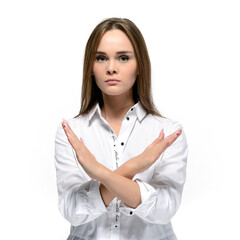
194, 48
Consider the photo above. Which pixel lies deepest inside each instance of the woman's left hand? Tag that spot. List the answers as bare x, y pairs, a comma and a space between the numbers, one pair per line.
87, 160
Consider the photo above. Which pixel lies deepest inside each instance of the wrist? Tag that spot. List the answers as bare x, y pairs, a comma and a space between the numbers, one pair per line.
103, 174
130, 168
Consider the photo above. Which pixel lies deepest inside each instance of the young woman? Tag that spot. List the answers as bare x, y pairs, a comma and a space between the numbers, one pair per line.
118, 176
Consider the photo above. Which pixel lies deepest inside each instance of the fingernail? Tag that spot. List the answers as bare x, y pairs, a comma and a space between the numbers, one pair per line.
65, 122
65, 125
179, 132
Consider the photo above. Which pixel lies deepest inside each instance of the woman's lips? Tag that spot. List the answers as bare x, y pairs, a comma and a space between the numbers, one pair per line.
112, 81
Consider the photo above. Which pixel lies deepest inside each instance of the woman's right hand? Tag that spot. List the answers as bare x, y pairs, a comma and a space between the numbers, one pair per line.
143, 161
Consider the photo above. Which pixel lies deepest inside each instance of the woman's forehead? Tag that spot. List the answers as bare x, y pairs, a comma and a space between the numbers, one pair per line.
115, 40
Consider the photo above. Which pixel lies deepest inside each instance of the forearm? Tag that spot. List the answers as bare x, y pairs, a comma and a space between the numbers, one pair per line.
126, 170
115, 185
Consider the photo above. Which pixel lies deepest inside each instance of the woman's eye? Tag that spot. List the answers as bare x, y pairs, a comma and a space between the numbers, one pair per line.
100, 58
124, 58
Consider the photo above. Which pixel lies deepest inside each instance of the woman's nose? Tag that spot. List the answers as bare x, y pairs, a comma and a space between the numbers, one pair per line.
111, 67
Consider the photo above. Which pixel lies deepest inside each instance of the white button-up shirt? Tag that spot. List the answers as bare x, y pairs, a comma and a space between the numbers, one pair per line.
161, 185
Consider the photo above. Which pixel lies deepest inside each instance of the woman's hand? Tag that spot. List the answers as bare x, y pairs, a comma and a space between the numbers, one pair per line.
143, 161
87, 160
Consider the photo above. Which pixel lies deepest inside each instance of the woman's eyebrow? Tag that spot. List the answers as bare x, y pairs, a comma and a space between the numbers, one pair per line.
123, 52
119, 52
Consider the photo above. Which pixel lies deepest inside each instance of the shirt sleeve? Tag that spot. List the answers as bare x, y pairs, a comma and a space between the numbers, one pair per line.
79, 199
161, 196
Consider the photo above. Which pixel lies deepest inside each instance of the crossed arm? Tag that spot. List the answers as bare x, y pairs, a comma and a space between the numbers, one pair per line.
119, 183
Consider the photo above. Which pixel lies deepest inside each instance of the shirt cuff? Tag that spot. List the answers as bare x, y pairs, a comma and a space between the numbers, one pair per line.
148, 201
89, 200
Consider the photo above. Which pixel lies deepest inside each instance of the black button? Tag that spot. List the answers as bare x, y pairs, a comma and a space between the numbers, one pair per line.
131, 212
127, 118
115, 225
114, 145
131, 109
122, 143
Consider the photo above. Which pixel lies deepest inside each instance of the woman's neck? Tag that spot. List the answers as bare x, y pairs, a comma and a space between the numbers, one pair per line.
115, 108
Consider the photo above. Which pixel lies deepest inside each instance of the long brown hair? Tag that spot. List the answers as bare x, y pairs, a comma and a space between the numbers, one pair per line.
91, 94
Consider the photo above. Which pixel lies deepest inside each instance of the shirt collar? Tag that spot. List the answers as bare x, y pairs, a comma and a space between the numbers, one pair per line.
137, 109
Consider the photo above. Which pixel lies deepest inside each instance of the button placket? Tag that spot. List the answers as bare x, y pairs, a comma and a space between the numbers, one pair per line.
116, 217
117, 212
118, 148
126, 128
115, 225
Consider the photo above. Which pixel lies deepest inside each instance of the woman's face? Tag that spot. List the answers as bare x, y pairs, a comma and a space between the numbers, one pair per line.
115, 60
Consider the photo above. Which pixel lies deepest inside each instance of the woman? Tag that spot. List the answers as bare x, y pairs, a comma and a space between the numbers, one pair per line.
118, 177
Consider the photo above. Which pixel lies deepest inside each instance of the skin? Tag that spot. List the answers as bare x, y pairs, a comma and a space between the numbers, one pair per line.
117, 101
